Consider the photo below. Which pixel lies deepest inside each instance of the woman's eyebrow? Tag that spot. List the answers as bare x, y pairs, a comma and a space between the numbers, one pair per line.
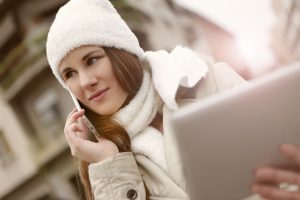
88, 54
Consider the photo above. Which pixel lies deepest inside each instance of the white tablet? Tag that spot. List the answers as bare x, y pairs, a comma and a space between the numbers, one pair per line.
223, 138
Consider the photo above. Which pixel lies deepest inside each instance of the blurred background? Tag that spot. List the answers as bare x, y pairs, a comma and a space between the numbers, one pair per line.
255, 37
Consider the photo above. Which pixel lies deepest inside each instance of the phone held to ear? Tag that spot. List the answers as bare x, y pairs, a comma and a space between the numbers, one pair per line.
87, 122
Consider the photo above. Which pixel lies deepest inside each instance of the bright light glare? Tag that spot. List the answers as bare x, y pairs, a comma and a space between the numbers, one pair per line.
255, 52
249, 21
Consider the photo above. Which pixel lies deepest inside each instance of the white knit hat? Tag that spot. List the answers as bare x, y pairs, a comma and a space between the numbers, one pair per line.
87, 22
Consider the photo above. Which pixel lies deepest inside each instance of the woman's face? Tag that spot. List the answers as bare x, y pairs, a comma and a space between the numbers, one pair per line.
88, 73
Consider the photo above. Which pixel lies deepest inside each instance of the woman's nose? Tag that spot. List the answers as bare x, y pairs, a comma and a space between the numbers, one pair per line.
88, 80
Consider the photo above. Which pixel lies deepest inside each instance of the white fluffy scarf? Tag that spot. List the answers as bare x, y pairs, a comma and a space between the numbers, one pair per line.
181, 67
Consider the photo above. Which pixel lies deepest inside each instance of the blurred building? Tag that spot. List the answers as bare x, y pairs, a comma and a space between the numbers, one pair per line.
35, 161
34, 158
188, 28
212, 39
286, 33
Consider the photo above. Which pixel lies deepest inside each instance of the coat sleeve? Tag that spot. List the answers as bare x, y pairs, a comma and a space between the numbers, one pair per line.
225, 77
221, 77
117, 178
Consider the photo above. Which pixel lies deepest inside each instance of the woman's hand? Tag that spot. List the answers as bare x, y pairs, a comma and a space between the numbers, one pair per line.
267, 179
76, 134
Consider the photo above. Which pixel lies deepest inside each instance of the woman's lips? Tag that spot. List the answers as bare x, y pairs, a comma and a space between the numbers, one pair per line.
98, 95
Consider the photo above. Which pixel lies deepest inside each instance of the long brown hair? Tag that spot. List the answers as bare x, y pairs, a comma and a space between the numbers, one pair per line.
129, 73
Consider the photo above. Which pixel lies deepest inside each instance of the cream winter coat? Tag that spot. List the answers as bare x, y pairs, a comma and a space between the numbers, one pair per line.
126, 175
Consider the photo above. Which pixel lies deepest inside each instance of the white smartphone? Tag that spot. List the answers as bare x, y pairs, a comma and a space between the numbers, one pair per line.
87, 122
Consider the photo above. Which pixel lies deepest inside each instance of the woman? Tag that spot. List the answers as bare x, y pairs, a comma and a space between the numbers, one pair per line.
129, 95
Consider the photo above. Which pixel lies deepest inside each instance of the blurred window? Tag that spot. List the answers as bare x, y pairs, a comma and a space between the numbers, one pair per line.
43, 113
42, 107
47, 112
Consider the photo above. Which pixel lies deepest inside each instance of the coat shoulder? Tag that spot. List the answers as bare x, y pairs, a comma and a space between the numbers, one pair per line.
220, 78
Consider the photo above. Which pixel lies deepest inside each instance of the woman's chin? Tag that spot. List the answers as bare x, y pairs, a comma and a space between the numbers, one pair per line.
106, 112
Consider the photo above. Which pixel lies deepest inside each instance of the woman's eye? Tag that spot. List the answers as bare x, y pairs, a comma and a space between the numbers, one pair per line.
92, 60
69, 74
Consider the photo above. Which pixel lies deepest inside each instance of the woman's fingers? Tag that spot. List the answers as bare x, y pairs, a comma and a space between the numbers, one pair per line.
273, 175
89, 151
274, 193
71, 131
77, 144
73, 116
76, 133
277, 175
84, 129
268, 179
74, 126
291, 151
71, 113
